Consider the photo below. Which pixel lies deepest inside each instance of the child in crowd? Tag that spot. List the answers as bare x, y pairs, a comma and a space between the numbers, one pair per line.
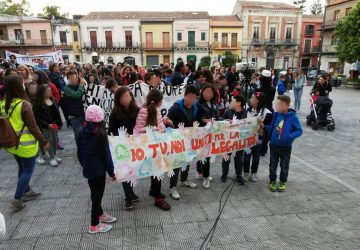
237, 90
281, 85
48, 119
283, 130
124, 115
208, 110
149, 115
223, 94
112, 85
237, 109
183, 111
257, 109
94, 156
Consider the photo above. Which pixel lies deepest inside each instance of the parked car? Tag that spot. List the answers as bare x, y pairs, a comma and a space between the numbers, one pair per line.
313, 74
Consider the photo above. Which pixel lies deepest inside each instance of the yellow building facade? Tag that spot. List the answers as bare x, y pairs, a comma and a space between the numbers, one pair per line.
225, 35
76, 42
156, 42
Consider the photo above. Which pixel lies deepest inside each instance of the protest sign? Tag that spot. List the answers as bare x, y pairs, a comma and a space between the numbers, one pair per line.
99, 95
155, 153
33, 60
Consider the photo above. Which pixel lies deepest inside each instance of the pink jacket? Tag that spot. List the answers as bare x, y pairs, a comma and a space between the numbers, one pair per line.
141, 121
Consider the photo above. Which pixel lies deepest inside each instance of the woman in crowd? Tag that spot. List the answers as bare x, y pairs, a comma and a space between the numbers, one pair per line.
31, 90
40, 77
24, 72
126, 76
117, 75
300, 81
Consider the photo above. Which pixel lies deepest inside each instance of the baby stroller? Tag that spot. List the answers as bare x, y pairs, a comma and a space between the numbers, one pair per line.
320, 115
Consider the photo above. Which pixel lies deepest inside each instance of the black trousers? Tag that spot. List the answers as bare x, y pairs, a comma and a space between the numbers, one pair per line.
97, 187
155, 187
238, 163
175, 177
203, 167
128, 190
255, 155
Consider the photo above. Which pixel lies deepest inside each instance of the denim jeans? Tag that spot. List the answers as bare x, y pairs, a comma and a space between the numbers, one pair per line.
26, 169
282, 155
238, 163
297, 98
255, 154
76, 123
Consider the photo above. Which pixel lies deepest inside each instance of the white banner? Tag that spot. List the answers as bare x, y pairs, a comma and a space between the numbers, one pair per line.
55, 56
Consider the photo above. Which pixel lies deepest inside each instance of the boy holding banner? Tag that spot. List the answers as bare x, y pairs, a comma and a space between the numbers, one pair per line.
184, 111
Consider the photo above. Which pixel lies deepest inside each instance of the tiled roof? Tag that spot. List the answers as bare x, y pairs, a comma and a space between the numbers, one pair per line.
225, 21
266, 5
146, 15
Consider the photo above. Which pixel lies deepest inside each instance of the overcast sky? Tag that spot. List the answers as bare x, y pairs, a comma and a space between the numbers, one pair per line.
214, 7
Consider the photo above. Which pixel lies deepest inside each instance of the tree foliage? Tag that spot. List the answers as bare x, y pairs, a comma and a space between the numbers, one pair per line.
316, 8
300, 4
10, 7
230, 59
205, 61
52, 11
348, 36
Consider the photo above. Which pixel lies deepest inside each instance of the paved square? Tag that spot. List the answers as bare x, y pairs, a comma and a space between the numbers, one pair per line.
320, 209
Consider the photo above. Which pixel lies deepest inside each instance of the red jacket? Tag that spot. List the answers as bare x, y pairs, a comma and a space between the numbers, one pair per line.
55, 92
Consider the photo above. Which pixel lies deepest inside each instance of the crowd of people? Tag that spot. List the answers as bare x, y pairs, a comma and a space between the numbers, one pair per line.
32, 99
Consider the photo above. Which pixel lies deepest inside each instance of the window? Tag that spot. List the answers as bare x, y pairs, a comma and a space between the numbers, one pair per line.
93, 39
333, 40
256, 33
288, 34
77, 58
234, 40
216, 37
166, 40
63, 39
75, 36
43, 37
179, 36
254, 60
108, 39
17, 33
307, 46
28, 34
286, 62
309, 29
149, 40
272, 34
224, 39
128, 39
203, 36
347, 11
336, 15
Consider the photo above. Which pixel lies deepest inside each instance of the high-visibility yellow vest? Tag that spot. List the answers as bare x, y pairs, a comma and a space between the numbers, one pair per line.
28, 146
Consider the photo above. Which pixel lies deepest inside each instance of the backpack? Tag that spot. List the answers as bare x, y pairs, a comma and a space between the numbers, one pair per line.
8, 136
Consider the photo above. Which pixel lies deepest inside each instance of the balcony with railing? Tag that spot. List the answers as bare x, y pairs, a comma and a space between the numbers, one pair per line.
63, 45
157, 46
328, 49
311, 50
309, 32
272, 42
222, 45
330, 24
110, 46
5, 41
184, 45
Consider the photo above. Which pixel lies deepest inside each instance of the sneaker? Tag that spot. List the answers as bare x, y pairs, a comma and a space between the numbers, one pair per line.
59, 147
174, 193
107, 218
129, 205
30, 196
272, 186
135, 198
54, 163
210, 178
40, 160
152, 193
188, 184
253, 178
58, 160
199, 176
17, 204
100, 228
162, 204
282, 187
246, 177
240, 180
206, 183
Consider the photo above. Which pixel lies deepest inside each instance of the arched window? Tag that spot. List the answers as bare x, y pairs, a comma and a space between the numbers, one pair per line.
129, 60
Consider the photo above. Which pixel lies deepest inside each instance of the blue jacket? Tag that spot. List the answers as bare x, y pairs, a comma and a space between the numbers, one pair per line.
281, 87
95, 164
177, 114
284, 128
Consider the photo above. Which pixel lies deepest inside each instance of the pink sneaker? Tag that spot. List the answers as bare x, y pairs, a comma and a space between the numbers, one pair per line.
100, 228
106, 218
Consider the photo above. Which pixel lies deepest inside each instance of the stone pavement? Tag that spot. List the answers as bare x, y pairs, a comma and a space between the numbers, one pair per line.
320, 209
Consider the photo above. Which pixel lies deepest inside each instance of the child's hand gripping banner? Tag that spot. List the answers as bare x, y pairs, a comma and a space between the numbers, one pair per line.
155, 153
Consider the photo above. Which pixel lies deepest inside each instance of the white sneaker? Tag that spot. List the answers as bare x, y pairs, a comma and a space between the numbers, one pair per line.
246, 177
54, 163
206, 183
174, 193
253, 178
40, 160
198, 176
58, 160
188, 184
210, 178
